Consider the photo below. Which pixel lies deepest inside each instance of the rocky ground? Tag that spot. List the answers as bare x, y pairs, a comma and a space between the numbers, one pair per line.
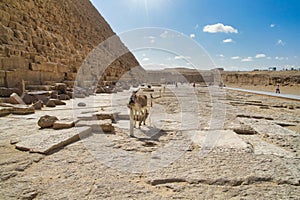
206, 143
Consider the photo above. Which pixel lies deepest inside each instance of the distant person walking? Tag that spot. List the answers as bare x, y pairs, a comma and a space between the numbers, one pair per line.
277, 89
194, 84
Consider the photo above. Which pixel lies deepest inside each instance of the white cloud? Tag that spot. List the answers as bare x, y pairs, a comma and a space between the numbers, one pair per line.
235, 57
219, 28
146, 59
279, 58
272, 25
248, 59
228, 40
222, 56
261, 55
181, 57
280, 42
192, 35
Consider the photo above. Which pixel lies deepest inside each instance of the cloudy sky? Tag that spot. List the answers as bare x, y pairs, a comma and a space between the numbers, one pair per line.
235, 34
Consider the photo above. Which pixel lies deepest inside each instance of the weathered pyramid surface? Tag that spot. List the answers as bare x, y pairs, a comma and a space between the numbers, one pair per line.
44, 42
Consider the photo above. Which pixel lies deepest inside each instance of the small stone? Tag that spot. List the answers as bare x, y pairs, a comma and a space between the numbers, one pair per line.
81, 104
47, 121
15, 99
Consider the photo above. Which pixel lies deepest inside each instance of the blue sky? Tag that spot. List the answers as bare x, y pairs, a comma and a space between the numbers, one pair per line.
236, 34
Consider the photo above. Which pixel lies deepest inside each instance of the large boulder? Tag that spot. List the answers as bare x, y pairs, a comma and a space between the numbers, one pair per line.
47, 121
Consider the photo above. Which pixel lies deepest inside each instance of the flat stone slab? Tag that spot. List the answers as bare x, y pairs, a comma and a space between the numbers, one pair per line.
97, 125
5, 111
39, 93
223, 140
266, 127
48, 140
265, 148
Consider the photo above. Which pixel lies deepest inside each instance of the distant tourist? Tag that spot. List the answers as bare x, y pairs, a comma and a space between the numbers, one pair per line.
277, 89
194, 84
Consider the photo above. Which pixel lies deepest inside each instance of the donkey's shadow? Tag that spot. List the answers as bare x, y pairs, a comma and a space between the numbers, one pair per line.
151, 133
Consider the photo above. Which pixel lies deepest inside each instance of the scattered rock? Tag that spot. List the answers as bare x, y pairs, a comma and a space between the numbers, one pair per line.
70, 94
58, 102
81, 104
47, 121
62, 124
245, 130
15, 99
61, 88
6, 92
105, 115
29, 194
63, 97
38, 105
98, 125
43, 98
28, 99
54, 95
51, 103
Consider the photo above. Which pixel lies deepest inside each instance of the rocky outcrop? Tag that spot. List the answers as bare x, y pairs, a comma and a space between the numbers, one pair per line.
44, 42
